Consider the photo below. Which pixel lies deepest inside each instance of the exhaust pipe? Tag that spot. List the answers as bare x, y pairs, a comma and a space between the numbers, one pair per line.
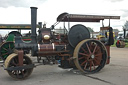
34, 47
33, 24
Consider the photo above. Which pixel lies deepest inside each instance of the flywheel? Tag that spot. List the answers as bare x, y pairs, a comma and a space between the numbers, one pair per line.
90, 56
78, 33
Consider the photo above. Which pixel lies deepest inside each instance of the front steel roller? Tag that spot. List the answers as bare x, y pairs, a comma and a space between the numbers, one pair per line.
90, 56
12, 61
120, 44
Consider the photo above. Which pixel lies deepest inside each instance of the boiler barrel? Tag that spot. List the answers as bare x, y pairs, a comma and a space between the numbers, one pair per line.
51, 47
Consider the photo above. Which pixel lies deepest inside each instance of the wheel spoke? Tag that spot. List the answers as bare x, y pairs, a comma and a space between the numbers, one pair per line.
98, 59
99, 54
83, 63
84, 54
84, 50
17, 74
91, 46
93, 65
81, 58
97, 62
98, 48
9, 46
85, 66
94, 49
22, 72
14, 63
88, 48
4, 54
90, 65
5, 49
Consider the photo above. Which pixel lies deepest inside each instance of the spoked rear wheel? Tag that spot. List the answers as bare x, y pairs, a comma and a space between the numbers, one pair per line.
91, 56
12, 61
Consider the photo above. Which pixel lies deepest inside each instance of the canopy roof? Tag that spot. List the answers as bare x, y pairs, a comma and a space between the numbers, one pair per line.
16, 26
65, 17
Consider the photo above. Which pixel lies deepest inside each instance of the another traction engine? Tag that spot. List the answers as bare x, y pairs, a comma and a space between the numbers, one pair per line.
72, 49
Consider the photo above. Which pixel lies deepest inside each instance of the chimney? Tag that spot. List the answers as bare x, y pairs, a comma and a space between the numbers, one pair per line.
33, 24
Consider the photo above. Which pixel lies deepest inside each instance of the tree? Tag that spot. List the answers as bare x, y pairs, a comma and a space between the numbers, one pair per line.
115, 30
125, 25
90, 29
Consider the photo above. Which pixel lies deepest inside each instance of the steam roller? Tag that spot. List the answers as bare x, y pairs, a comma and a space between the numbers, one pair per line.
7, 47
74, 49
120, 44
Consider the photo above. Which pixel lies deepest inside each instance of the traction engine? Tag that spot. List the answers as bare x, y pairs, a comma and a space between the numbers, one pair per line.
71, 48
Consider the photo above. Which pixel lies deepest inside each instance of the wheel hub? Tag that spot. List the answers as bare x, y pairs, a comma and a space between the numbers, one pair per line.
92, 56
10, 51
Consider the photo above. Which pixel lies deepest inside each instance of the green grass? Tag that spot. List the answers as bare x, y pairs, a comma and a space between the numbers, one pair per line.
114, 45
126, 44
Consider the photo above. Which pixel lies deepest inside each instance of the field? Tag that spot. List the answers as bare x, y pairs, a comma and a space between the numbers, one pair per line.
114, 45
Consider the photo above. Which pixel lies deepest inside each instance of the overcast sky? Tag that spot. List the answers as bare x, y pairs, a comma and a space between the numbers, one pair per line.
18, 11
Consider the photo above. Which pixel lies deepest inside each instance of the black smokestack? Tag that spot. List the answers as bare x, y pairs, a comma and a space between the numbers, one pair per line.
33, 24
